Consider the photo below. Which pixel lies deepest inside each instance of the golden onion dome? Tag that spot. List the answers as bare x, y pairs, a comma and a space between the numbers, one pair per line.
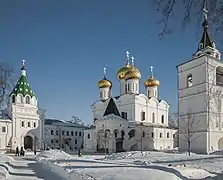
122, 71
104, 83
151, 82
132, 74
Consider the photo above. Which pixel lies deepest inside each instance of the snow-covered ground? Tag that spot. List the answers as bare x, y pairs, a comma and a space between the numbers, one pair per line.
56, 164
136, 165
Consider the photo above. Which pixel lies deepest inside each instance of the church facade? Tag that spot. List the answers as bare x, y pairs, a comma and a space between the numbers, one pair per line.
23, 123
132, 120
200, 89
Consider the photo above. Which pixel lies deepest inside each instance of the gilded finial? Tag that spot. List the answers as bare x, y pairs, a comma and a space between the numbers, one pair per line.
151, 70
133, 63
105, 72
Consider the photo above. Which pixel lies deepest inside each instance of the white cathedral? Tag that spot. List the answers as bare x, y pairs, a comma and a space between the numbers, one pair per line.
132, 120
200, 90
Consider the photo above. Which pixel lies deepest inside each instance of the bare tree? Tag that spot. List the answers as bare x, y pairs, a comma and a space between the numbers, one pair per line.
75, 120
188, 12
172, 120
35, 141
61, 137
188, 128
6, 83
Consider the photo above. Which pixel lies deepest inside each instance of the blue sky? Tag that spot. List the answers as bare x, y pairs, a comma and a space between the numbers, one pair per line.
67, 43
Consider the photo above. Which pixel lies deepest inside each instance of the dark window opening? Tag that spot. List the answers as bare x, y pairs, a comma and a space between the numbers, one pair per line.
13, 98
143, 116
168, 135
162, 119
3, 129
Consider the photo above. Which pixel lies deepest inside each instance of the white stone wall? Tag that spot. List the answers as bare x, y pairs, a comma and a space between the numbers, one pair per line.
5, 133
200, 98
26, 121
134, 105
143, 137
75, 140
90, 140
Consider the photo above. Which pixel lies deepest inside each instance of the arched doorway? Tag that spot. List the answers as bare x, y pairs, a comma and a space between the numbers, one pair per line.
220, 143
28, 142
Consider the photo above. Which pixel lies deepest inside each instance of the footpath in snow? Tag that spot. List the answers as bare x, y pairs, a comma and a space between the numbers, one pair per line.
27, 168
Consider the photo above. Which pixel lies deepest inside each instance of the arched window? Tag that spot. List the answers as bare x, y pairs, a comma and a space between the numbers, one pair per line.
52, 132
27, 100
168, 135
189, 80
20, 98
219, 76
162, 119
125, 88
152, 134
161, 135
116, 133
148, 93
131, 133
128, 87
100, 94
13, 98
153, 117
143, 115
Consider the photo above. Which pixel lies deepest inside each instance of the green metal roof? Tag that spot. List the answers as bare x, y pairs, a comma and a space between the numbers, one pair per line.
22, 86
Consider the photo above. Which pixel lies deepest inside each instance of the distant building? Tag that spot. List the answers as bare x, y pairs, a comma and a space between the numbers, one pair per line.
64, 135
132, 120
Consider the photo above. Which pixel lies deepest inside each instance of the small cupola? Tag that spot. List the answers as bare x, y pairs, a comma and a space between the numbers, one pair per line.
105, 86
206, 44
152, 85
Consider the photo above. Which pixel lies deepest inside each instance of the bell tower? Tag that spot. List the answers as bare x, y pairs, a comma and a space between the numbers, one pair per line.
27, 125
199, 79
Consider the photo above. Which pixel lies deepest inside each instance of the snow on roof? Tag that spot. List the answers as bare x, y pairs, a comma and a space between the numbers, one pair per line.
62, 123
112, 117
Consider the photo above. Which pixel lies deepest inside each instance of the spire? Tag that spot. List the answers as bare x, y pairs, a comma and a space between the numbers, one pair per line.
206, 39
127, 58
23, 68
